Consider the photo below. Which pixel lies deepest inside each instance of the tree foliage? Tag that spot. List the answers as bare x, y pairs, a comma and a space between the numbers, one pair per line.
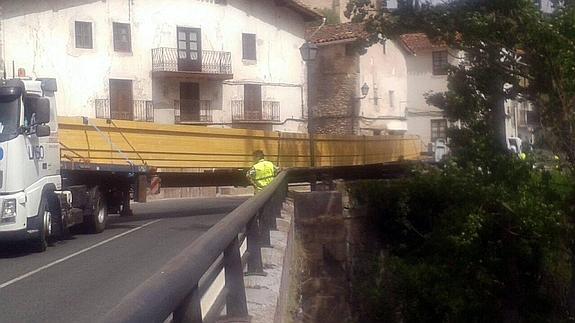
464, 246
488, 238
512, 50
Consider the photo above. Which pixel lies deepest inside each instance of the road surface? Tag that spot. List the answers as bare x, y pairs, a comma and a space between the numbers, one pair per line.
81, 279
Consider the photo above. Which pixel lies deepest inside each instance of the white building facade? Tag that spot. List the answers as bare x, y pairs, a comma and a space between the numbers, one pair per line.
383, 68
231, 63
427, 65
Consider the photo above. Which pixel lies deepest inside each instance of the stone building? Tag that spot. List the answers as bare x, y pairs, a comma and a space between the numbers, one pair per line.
224, 63
338, 75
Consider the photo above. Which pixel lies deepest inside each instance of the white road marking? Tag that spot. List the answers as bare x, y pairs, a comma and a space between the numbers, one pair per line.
26, 275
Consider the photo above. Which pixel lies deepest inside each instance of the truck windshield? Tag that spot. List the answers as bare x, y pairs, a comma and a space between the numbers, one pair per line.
9, 119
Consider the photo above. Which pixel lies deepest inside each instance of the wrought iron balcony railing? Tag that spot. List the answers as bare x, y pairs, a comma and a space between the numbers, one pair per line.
255, 111
193, 111
142, 110
165, 59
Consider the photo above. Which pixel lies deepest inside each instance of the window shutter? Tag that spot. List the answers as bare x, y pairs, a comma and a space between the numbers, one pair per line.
122, 37
440, 62
83, 34
249, 46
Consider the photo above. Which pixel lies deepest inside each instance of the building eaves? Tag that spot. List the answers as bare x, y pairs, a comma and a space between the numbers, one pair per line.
301, 8
336, 33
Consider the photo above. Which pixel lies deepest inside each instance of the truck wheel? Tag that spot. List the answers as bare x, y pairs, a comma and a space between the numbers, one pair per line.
99, 217
57, 222
40, 244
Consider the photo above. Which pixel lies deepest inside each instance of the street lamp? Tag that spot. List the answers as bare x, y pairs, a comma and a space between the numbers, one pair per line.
364, 90
308, 53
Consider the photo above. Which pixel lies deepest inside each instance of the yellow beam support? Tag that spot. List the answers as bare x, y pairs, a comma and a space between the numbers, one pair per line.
182, 146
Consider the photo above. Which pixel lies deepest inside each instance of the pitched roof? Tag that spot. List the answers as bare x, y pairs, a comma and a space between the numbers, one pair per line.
301, 8
330, 33
418, 42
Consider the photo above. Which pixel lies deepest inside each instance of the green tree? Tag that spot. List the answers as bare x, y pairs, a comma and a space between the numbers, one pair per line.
511, 50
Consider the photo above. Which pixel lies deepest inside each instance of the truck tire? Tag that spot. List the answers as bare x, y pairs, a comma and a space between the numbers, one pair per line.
39, 244
99, 217
58, 227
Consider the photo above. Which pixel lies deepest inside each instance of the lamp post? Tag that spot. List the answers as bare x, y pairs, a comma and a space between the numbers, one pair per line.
364, 91
308, 53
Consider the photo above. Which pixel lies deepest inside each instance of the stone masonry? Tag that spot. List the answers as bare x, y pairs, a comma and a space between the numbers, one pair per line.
334, 77
320, 230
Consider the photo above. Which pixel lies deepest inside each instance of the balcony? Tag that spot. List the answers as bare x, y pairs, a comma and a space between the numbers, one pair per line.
244, 111
214, 65
142, 110
193, 111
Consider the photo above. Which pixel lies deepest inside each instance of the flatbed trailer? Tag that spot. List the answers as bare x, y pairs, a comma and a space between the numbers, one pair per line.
58, 172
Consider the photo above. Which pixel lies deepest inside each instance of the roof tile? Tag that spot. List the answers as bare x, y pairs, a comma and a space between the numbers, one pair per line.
418, 42
330, 33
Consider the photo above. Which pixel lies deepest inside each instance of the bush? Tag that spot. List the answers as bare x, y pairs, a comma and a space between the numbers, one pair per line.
466, 244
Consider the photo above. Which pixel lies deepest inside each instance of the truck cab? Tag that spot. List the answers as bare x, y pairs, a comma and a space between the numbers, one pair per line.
38, 199
29, 159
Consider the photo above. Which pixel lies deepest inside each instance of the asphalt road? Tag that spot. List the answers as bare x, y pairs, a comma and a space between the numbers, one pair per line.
81, 279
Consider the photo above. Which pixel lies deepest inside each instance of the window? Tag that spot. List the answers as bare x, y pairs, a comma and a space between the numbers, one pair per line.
440, 63
122, 37
438, 129
249, 46
83, 32
392, 99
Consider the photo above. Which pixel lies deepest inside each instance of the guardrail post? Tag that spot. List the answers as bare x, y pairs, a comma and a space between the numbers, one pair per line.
189, 311
264, 225
270, 211
255, 263
236, 304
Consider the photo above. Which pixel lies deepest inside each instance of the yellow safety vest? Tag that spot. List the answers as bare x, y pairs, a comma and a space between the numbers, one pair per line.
265, 171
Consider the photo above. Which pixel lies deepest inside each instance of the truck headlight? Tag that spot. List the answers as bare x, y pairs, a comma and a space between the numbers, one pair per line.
8, 211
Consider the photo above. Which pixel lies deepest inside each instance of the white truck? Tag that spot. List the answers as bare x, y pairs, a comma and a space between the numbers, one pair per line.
41, 197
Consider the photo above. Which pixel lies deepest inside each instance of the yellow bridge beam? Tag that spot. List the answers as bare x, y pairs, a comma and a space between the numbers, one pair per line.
180, 147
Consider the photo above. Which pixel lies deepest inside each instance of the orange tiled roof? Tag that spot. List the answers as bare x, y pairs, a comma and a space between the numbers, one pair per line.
330, 33
418, 42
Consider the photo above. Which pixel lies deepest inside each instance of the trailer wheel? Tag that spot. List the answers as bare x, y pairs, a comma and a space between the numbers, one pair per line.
99, 217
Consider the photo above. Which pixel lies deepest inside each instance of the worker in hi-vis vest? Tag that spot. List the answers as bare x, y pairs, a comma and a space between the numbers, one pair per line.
262, 173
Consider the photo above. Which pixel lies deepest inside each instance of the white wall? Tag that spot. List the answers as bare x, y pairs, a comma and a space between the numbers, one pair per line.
420, 82
41, 40
383, 68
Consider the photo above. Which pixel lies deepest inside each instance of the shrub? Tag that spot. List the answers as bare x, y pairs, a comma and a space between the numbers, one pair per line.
466, 244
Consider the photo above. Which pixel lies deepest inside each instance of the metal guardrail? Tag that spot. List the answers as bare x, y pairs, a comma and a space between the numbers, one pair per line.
269, 111
176, 289
142, 110
199, 111
165, 59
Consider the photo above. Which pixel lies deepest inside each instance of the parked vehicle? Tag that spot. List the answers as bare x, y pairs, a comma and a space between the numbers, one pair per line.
42, 196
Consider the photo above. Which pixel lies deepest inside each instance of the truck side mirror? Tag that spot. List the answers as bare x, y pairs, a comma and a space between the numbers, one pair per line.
41, 108
42, 130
